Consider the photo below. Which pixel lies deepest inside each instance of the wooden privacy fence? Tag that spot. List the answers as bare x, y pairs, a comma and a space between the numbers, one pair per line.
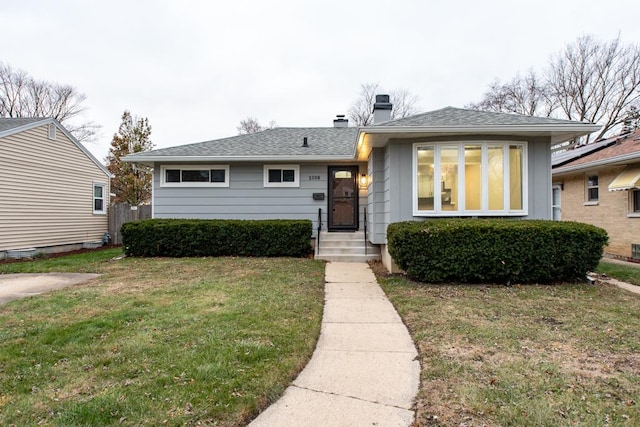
119, 213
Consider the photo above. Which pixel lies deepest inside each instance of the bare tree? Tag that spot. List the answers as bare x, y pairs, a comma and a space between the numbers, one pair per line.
528, 95
23, 96
251, 125
595, 81
361, 111
587, 81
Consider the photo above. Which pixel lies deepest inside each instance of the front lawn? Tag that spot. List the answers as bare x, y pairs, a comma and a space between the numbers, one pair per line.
158, 341
628, 272
523, 355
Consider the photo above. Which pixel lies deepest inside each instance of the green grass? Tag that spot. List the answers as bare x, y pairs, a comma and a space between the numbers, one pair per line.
629, 273
87, 262
158, 341
523, 355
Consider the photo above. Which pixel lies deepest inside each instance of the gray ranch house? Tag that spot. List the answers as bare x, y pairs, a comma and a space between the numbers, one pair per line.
352, 182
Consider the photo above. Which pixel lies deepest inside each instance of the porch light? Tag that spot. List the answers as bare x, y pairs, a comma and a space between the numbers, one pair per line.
364, 180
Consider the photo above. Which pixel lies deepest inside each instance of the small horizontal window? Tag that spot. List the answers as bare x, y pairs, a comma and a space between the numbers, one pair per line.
195, 176
281, 176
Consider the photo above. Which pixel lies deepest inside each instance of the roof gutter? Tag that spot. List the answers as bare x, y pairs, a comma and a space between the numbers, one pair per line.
27, 126
578, 127
142, 158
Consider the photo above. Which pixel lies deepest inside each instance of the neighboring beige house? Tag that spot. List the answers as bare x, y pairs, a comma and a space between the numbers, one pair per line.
54, 194
599, 184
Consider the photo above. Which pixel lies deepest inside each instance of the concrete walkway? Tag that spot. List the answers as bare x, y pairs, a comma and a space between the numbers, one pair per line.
364, 370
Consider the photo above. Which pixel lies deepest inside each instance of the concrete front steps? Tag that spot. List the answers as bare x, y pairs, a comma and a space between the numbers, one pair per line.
346, 247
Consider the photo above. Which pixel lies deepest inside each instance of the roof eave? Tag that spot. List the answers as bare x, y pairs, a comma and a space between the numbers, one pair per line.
597, 163
26, 126
560, 130
218, 159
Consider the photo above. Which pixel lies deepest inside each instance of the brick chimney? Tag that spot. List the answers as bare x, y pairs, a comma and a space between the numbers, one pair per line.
382, 109
340, 121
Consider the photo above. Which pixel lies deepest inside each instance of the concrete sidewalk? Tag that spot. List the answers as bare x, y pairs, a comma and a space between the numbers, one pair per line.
364, 370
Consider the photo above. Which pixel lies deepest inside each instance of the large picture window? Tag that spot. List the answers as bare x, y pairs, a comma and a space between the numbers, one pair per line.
469, 178
195, 176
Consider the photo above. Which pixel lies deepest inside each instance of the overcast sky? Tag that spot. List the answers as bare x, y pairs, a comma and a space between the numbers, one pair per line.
196, 68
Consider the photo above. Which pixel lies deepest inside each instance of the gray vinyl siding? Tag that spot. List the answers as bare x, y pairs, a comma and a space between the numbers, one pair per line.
46, 192
376, 196
398, 182
247, 198
540, 180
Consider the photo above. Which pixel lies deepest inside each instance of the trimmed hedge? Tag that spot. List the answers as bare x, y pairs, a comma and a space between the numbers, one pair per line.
495, 250
216, 237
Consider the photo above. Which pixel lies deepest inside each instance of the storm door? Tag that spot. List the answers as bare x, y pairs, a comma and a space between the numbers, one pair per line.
343, 198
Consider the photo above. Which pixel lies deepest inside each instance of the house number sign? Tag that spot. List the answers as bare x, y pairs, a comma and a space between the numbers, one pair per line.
314, 177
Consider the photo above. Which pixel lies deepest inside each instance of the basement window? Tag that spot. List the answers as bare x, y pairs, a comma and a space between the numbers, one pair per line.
635, 251
194, 176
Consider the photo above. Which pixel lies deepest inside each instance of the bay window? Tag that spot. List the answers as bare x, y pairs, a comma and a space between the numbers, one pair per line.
469, 178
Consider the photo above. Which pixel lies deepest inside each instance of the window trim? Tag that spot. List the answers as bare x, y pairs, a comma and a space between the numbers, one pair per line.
484, 211
558, 188
296, 176
632, 213
587, 187
164, 183
94, 198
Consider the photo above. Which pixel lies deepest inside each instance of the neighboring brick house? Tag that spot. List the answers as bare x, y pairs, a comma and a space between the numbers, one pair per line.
599, 184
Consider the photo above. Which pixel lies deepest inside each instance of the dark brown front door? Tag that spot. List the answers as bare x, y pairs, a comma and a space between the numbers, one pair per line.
343, 198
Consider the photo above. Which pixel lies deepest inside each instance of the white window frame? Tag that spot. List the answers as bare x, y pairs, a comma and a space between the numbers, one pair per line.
588, 187
484, 211
102, 185
632, 212
556, 207
296, 176
164, 183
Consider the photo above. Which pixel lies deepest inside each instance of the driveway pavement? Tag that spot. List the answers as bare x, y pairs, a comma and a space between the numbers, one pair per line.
14, 286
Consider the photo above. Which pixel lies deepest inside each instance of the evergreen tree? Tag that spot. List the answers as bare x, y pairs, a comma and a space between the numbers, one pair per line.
130, 184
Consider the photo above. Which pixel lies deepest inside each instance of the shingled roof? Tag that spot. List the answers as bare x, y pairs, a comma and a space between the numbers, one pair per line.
616, 150
451, 116
8, 123
339, 143
277, 142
